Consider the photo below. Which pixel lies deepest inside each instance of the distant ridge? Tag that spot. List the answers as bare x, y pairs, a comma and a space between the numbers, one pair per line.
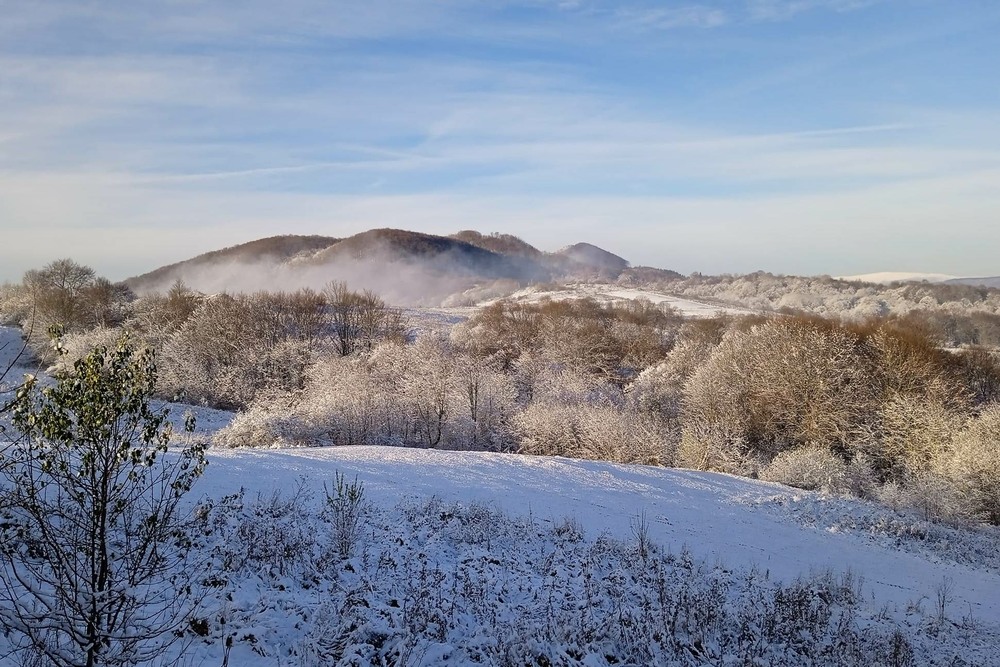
886, 277
504, 244
993, 281
405, 267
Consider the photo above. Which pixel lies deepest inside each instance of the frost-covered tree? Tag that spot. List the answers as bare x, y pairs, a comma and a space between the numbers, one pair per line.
73, 298
777, 386
430, 388
234, 346
973, 465
486, 404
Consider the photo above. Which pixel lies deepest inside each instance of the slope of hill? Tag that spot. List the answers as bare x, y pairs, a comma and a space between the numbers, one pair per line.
491, 531
609, 292
887, 277
470, 557
228, 264
437, 254
592, 256
993, 281
503, 244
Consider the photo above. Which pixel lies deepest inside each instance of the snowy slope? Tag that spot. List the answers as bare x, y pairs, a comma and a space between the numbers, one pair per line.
731, 525
610, 293
735, 521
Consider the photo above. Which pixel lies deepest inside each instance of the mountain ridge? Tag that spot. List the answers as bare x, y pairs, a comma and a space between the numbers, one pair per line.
407, 267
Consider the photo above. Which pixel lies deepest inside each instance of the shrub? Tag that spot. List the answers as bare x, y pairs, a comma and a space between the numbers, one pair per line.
810, 468
974, 465
345, 504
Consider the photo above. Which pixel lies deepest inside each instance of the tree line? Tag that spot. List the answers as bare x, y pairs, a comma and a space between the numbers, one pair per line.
879, 407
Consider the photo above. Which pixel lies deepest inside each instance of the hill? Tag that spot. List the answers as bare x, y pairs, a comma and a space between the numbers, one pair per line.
405, 267
993, 282
463, 557
888, 277
482, 534
592, 256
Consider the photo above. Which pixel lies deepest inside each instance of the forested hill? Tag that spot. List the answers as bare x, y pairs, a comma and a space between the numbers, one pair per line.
407, 268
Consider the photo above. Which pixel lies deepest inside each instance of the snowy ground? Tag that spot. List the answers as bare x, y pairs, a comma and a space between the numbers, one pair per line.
730, 525
610, 293
719, 518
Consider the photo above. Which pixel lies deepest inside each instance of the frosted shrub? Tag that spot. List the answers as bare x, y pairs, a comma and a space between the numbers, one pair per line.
264, 425
717, 446
657, 390
859, 477
276, 532
933, 496
974, 466
600, 432
810, 468
345, 505
79, 345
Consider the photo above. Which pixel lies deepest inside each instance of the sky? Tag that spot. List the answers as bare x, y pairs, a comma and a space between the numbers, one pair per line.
722, 136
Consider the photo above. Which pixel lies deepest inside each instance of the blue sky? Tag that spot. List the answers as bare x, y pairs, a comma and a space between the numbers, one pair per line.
794, 136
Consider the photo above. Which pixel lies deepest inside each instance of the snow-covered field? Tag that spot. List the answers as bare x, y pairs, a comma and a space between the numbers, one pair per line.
610, 293
462, 555
730, 526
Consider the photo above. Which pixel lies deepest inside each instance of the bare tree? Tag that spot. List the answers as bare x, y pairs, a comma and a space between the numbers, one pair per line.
360, 319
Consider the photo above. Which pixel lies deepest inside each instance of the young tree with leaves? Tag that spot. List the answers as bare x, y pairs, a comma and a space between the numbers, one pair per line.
93, 538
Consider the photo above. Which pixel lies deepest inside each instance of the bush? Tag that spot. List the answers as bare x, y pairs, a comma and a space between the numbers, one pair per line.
810, 468
974, 466
345, 504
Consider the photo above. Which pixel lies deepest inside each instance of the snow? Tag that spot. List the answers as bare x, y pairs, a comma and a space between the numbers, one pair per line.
561, 512
609, 293
729, 525
718, 517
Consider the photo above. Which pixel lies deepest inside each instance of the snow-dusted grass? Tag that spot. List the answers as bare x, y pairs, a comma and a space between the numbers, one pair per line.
522, 510
433, 582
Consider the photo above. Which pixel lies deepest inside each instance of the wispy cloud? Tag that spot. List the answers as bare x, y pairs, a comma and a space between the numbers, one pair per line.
782, 10
181, 127
669, 18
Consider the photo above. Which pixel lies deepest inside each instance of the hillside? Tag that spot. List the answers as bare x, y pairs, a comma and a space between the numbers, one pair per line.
229, 265
406, 268
592, 256
993, 282
507, 525
477, 558
887, 277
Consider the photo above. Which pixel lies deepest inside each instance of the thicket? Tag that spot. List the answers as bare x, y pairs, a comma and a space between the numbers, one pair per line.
959, 314
878, 407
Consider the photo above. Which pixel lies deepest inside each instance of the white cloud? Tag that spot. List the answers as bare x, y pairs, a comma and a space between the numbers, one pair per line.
668, 18
188, 136
780, 10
